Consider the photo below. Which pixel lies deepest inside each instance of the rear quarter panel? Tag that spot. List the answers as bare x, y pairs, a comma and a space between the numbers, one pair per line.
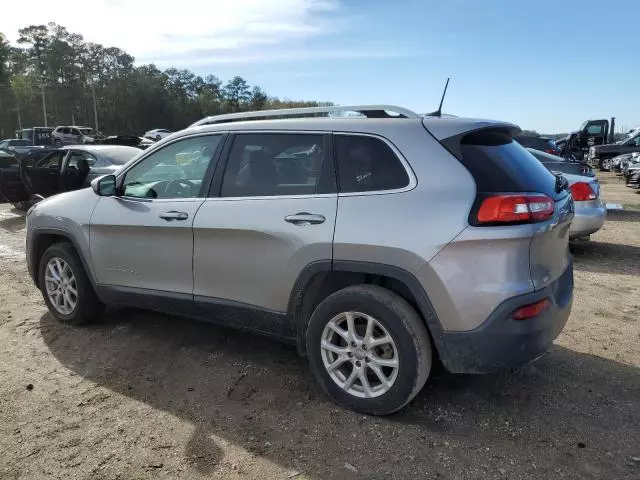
408, 228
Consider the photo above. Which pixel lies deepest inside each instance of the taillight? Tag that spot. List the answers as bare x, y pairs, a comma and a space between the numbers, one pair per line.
552, 151
515, 208
582, 191
532, 310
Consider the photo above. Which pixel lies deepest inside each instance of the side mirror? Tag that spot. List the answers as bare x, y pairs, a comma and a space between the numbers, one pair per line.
105, 186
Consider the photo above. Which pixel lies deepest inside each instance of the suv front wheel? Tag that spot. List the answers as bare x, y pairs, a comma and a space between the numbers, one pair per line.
65, 286
369, 349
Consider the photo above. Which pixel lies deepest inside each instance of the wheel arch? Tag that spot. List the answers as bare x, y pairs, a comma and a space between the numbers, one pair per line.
43, 239
320, 279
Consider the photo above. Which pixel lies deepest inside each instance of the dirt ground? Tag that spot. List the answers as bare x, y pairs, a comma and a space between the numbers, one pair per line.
141, 395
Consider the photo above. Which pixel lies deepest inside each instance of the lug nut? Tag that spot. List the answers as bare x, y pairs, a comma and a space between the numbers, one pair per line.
359, 363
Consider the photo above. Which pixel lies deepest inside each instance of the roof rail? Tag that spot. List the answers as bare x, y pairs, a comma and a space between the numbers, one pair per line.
369, 111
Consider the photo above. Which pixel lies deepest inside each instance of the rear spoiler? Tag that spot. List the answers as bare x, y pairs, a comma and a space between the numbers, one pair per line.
451, 132
445, 127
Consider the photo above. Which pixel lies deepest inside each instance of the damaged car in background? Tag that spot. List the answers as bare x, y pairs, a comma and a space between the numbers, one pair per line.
603, 155
27, 180
590, 210
632, 174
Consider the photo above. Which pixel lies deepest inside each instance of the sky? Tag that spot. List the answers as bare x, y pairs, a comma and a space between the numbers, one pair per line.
546, 65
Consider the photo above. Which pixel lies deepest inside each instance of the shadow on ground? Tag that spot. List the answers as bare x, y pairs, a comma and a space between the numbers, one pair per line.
13, 223
601, 257
623, 216
259, 395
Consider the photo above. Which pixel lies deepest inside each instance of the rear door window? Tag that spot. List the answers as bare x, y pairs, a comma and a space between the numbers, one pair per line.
273, 164
367, 164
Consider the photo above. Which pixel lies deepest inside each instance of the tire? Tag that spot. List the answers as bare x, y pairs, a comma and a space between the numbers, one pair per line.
87, 305
605, 165
410, 348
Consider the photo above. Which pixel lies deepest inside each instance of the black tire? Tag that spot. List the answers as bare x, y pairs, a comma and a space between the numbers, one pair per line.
602, 166
88, 306
407, 330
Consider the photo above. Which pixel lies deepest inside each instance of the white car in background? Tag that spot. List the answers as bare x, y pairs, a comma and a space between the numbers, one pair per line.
157, 134
72, 135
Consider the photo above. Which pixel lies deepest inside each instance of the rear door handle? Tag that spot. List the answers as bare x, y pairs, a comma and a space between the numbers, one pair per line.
173, 215
304, 218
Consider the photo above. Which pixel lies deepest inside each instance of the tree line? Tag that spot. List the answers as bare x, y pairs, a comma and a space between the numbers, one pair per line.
55, 77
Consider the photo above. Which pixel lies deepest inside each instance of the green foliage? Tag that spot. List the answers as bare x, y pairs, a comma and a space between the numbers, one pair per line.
71, 75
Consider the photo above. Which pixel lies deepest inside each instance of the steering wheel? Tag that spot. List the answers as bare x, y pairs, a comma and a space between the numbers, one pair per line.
180, 188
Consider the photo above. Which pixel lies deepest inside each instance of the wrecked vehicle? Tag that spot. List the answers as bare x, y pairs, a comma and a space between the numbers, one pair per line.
591, 133
603, 155
590, 211
555, 163
24, 181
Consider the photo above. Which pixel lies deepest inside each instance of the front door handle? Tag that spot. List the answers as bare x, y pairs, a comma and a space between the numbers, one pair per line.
173, 215
304, 218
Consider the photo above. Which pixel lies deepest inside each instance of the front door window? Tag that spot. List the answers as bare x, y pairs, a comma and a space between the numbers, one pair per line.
175, 171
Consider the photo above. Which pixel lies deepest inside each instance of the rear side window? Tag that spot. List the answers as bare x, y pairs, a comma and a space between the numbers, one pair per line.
499, 164
270, 164
367, 164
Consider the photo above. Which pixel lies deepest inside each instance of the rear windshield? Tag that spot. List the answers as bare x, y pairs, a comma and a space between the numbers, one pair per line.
536, 142
121, 155
499, 164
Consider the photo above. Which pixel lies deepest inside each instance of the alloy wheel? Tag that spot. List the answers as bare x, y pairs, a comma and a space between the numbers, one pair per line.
61, 286
359, 354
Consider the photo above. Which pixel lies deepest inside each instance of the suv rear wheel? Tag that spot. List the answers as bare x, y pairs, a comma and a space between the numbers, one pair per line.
65, 286
369, 349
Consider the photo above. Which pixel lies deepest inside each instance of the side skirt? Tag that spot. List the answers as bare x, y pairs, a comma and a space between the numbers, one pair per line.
236, 315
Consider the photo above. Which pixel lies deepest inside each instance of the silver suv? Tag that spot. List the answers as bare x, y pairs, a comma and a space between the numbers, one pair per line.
72, 135
376, 245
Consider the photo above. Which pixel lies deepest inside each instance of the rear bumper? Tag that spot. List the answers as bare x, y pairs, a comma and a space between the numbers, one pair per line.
588, 219
502, 342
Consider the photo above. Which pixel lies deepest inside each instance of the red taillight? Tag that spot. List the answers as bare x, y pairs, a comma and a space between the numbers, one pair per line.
552, 151
530, 311
510, 208
582, 191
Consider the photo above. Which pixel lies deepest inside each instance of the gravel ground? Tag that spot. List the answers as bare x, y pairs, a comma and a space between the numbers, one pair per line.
141, 395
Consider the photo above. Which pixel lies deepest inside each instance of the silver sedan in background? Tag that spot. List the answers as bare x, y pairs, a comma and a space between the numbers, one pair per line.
590, 210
